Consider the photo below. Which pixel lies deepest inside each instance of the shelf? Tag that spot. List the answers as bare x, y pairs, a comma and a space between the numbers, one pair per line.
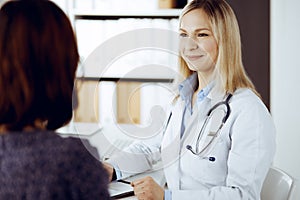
153, 74
102, 15
160, 75
128, 79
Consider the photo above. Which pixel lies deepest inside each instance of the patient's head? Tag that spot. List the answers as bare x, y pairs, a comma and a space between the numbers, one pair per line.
38, 61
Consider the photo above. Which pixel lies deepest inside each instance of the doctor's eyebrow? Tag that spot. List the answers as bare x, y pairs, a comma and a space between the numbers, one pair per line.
196, 30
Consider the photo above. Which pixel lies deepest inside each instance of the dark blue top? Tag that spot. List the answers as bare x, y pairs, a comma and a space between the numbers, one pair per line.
43, 165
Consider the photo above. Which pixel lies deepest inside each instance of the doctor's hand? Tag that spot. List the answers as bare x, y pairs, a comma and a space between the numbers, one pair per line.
147, 189
109, 169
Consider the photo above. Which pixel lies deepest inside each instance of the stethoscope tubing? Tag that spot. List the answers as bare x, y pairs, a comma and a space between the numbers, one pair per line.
208, 116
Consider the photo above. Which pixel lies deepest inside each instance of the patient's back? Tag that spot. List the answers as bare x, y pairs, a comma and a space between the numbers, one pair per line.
42, 165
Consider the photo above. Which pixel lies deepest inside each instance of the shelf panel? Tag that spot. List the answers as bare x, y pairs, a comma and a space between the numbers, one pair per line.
117, 79
102, 15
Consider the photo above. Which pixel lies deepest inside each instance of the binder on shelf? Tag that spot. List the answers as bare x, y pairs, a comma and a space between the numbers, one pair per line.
165, 4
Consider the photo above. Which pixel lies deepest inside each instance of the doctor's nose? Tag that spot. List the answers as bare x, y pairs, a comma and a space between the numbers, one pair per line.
191, 44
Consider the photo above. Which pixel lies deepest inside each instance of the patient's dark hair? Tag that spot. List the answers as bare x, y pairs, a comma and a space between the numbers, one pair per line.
38, 61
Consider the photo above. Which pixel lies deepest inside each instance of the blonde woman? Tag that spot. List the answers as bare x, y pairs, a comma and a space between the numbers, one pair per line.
220, 138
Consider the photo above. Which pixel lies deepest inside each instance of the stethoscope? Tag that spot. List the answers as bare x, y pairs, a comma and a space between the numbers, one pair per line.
197, 152
214, 136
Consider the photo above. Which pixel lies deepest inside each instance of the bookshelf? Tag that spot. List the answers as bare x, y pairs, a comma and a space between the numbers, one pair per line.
125, 91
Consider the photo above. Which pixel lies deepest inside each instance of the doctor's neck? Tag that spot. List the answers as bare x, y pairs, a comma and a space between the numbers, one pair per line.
203, 80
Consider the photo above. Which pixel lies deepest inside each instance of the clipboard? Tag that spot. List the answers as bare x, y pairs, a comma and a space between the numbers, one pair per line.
120, 190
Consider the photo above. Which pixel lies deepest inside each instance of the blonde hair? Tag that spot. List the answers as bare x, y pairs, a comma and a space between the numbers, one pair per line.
230, 74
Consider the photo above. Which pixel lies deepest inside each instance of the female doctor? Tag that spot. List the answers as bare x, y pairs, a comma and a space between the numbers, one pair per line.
219, 140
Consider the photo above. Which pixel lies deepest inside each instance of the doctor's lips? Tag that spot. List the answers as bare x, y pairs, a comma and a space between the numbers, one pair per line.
193, 57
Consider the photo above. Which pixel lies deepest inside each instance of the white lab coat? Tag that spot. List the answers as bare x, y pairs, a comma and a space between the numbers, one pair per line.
244, 151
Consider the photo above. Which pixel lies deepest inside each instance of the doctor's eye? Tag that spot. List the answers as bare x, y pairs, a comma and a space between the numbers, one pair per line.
202, 34
183, 35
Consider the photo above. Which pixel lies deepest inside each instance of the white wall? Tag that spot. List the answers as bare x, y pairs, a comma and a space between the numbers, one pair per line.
285, 83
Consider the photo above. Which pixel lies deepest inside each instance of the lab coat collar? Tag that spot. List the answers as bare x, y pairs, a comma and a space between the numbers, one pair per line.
188, 86
216, 94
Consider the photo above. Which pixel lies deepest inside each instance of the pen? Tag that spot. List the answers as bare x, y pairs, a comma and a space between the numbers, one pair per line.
123, 181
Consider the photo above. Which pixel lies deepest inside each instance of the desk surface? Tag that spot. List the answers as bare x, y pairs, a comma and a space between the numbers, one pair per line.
101, 137
105, 137
108, 138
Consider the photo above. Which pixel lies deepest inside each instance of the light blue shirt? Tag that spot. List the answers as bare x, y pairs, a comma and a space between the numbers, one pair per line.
186, 91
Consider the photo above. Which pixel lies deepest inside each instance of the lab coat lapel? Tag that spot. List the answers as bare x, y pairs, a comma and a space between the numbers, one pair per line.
171, 149
214, 97
178, 117
193, 126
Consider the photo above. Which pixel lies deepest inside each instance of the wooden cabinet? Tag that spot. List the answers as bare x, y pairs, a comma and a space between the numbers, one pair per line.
128, 102
88, 101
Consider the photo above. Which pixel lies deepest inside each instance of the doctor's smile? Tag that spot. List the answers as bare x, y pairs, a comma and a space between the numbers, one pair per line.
194, 57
